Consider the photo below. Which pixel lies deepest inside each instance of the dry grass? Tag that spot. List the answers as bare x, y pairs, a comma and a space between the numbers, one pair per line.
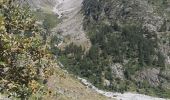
65, 87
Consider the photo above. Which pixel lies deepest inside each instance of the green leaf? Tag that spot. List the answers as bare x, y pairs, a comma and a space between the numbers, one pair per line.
2, 63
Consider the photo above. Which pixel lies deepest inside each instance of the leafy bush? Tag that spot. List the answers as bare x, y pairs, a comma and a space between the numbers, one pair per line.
24, 59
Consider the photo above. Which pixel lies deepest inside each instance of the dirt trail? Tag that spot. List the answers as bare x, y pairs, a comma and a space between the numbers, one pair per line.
119, 96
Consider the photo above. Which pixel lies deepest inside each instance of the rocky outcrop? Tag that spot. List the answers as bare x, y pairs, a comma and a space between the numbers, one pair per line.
135, 10
118, 71
151, 75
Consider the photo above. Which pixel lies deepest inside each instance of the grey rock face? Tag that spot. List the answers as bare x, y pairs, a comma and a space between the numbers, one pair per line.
151, 75
117, 70
166, 74
147, 14
136, 10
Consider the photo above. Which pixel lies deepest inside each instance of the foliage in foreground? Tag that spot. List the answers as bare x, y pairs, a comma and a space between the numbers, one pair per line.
24, 57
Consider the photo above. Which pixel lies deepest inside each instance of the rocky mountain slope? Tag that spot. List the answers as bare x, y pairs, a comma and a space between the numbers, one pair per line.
134, 36
71, 27
70, 13
116, 60
130, 46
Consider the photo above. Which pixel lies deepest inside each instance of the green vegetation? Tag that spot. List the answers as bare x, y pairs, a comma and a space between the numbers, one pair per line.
49, 19
25, 60
128, 44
